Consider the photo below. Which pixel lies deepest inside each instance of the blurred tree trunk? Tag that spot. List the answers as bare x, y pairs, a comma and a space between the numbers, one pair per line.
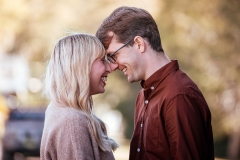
233, 146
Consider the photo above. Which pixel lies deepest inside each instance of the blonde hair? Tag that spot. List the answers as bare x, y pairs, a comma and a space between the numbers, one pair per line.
67, 79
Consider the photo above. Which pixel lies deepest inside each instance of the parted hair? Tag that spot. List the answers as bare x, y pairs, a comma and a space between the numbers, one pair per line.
128, 22
67, 79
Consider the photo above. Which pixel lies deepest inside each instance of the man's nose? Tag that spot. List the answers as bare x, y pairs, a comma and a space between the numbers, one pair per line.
108, 68
113, 66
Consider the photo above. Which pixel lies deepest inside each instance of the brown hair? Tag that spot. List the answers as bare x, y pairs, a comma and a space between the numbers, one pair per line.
128, 22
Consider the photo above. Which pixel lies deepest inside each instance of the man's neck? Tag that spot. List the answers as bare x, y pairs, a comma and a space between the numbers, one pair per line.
155, 61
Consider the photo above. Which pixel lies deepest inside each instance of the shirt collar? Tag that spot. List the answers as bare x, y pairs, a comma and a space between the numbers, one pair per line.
156, 78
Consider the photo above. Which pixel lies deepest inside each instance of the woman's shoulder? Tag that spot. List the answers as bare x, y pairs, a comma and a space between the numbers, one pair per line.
66, 114
75, 116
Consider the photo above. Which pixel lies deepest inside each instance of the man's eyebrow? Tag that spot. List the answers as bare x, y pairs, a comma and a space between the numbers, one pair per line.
109, 52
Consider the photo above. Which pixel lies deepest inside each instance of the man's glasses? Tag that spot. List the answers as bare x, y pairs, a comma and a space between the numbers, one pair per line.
110, 58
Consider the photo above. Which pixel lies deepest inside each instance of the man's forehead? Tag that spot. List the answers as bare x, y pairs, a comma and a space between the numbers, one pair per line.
112, 45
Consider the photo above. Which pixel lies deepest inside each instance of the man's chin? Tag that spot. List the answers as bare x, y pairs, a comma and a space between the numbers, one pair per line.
131, 80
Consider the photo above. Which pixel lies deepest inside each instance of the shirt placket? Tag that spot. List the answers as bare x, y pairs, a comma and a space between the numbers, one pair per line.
141, 130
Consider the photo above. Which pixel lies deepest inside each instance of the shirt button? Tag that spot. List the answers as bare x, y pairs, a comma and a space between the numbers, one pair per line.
141, 125
138, 150
146, 102
152, 88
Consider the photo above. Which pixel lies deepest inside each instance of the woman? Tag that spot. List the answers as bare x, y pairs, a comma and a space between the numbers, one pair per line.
77, 70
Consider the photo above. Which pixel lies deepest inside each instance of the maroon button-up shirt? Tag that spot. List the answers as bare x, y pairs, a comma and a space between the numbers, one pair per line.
172, 120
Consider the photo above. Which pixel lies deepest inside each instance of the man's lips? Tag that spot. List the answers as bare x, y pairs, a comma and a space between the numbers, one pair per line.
124, 71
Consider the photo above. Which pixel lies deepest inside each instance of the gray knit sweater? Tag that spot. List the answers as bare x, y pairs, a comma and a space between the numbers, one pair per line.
67, 135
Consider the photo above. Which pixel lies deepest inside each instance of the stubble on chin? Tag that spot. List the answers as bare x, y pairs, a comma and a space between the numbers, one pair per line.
130, 79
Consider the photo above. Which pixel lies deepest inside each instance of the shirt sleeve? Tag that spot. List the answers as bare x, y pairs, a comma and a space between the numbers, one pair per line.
185, 123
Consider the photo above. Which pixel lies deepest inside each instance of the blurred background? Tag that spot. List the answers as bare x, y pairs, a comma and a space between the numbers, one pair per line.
203, 35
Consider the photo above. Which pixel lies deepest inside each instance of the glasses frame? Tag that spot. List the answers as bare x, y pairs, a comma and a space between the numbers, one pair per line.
110, 58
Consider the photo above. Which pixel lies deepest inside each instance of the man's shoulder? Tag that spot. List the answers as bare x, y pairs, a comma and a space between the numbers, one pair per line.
179, 81
176, 83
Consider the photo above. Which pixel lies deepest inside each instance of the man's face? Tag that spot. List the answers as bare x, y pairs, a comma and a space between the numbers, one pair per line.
126, 60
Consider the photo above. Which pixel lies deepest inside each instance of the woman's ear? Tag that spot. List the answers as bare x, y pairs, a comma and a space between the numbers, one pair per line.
140, 43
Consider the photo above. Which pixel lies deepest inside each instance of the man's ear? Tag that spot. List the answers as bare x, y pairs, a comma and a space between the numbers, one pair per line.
140, 43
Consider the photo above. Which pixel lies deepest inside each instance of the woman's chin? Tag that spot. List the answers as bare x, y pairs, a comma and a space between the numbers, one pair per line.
99, 92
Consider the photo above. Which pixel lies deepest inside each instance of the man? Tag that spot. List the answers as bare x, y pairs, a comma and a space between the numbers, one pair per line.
172, 119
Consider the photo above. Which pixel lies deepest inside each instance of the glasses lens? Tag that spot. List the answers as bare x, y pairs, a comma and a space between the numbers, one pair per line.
111, 59
107, 59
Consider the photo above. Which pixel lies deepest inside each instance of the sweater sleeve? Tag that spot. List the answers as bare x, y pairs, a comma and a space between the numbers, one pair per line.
186, 119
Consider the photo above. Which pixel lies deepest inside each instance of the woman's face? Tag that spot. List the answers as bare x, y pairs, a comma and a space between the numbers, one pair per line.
98, 76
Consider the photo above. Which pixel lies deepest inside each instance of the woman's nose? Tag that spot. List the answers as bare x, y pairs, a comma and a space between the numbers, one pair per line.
108, 69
